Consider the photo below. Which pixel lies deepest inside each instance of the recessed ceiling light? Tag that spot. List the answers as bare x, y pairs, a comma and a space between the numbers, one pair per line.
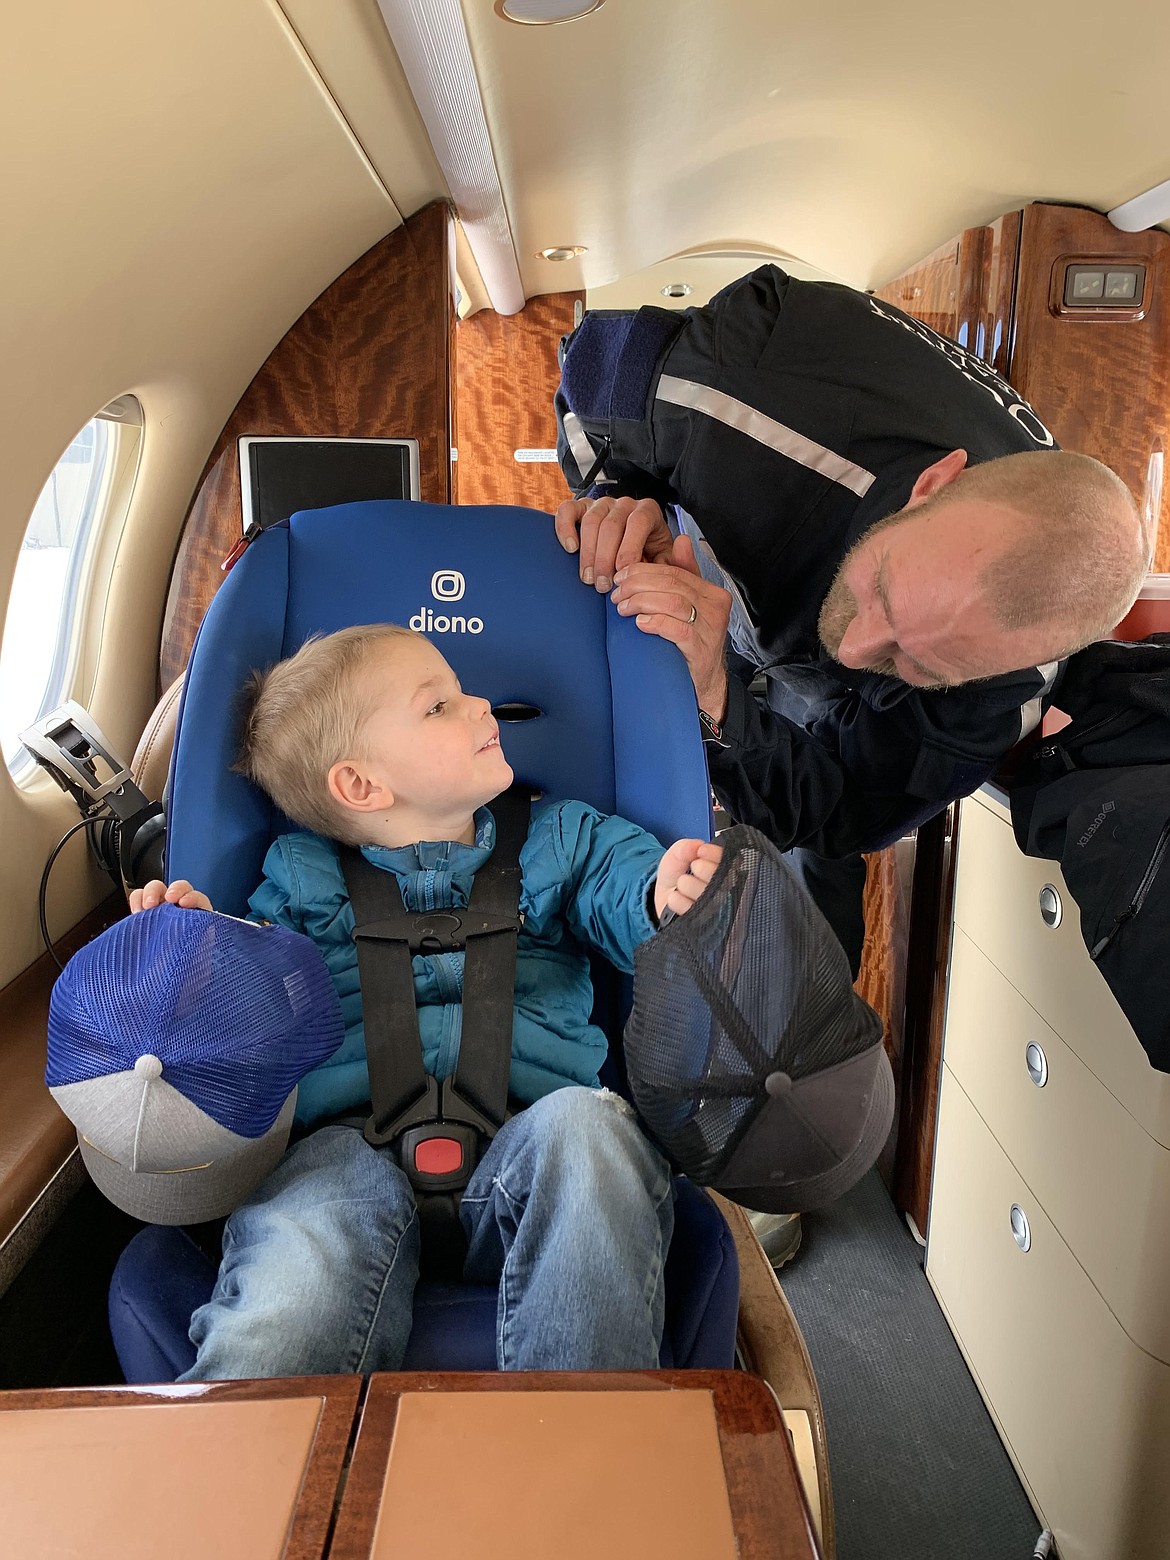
676, 289
545, 13
562, 252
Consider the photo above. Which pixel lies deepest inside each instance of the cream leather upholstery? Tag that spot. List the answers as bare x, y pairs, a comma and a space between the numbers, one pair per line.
152, 756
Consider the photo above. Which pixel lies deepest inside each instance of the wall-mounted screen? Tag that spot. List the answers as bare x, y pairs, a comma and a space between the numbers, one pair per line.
279, 476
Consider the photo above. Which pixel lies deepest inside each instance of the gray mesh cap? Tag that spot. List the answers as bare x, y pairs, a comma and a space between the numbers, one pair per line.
751, 1059
177, 1039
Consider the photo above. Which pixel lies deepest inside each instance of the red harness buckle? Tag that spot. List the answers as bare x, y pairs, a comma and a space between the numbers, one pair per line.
438, 1156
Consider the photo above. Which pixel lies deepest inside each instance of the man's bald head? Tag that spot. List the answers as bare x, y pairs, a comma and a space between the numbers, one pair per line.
989, 569
1079, 553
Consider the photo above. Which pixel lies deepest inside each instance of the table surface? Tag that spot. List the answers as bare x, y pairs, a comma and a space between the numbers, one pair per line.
354, 1433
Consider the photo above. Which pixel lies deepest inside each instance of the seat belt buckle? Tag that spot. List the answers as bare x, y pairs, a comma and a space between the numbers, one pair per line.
439, 1156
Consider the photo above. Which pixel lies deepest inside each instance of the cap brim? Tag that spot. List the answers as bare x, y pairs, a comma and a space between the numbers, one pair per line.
814, 1139
192, 1194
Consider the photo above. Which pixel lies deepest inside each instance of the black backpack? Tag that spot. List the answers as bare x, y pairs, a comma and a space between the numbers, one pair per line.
1096, 798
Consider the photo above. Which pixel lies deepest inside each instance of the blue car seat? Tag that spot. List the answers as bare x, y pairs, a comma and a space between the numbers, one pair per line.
493, 590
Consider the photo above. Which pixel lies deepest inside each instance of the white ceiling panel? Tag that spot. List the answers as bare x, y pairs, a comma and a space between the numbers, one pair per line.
854, 136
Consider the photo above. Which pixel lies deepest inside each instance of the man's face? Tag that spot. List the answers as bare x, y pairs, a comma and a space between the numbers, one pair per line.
907, 600
436, 747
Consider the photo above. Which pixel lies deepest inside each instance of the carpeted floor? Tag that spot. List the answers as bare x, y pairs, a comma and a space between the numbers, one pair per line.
918, 1469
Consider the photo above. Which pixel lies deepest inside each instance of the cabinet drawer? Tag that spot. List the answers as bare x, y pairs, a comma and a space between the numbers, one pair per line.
1101, 1179
1084, 1413
997, 904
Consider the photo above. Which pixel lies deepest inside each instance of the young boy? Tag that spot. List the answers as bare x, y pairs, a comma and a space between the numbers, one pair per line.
366, 737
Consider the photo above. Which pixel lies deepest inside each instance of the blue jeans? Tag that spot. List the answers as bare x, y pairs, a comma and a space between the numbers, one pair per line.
570, 1212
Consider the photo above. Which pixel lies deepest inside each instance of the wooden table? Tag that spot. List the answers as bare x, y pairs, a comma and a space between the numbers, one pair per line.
173, 1473
323, 1445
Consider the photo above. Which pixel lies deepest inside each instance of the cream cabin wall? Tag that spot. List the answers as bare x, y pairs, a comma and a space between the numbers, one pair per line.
179, 184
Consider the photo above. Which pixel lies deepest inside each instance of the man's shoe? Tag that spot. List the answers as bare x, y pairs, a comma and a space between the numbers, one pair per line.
778, 1233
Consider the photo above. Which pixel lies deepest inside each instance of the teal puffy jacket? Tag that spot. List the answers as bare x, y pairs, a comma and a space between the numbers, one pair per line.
585, 882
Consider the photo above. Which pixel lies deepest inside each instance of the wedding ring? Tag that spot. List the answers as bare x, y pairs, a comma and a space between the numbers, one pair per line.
693, 615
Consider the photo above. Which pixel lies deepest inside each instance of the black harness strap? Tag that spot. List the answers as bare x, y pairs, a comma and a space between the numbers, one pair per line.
382, 933
440, 1129
484, 1063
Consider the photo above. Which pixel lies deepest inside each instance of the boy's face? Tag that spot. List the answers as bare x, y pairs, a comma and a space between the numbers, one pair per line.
435, 747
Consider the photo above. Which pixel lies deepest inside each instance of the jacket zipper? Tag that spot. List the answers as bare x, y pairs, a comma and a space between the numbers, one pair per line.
1056, 748
1143, 889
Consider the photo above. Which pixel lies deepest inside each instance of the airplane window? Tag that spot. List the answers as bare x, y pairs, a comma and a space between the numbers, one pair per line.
38, 643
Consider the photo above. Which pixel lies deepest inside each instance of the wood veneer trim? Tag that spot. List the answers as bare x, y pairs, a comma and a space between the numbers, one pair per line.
369, 358
769, 1511
309, 1530
506, 375
1101, 385
773, 1347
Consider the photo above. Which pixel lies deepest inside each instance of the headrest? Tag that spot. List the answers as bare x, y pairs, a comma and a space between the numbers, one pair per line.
492, 589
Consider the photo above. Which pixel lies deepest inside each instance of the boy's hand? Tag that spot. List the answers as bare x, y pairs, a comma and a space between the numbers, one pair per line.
179, 893
683, 874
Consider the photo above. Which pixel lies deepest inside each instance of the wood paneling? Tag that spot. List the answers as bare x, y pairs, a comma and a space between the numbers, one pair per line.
964, 289
1102, 385
309, 1529
994, 333
768, 1510
370, 358
771, 1345
505, 378
929, 290
927, 958
883, 957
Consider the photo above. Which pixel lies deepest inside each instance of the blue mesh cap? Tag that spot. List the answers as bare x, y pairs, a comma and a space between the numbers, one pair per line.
176, 1041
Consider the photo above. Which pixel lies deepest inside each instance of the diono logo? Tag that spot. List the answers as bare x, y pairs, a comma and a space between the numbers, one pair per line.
446, 585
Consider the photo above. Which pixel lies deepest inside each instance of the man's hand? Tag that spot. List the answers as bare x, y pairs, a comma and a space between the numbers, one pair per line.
674, 601
178, 893
683, 874
614, 532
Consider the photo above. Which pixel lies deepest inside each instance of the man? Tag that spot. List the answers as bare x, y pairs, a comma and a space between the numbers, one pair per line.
882, 528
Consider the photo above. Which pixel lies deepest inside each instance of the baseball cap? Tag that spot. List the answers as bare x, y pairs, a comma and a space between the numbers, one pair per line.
750, 1057
177, 1039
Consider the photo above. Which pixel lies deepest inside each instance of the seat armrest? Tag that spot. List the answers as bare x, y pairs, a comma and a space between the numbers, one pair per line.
38, 1146
771, 1345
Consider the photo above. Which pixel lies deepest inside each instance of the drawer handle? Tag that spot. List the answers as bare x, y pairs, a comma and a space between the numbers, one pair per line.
1021, 1229
1051, 906
1037, 1063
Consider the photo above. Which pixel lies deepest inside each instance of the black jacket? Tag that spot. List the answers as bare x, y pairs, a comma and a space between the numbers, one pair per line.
785, 417
1096, 798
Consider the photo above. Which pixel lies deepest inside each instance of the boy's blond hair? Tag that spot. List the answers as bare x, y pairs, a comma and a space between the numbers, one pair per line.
303, 715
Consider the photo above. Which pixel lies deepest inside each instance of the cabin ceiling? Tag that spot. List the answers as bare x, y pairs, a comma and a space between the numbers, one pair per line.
179, 186
854, 136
